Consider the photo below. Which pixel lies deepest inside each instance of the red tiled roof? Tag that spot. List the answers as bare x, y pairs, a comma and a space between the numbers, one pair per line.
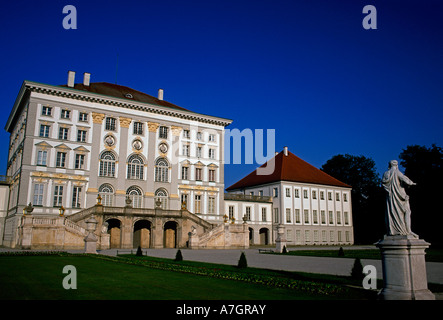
289, 168
118, 91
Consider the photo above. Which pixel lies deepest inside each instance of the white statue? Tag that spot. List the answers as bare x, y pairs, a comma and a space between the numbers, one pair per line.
398, 212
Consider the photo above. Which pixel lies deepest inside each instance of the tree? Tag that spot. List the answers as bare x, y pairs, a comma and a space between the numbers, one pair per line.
242, 263
178, 256
424, 166
139, 252
367, 194
357, 270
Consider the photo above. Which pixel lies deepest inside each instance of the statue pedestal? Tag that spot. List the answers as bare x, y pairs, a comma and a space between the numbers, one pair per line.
280, 242
404, 268
90, 243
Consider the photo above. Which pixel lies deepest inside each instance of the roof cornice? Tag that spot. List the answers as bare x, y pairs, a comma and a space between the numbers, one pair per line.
114, 101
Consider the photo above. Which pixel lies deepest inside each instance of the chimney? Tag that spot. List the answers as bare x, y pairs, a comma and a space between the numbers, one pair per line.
285, 151
71, 79
160, 94
86, 79
276, 152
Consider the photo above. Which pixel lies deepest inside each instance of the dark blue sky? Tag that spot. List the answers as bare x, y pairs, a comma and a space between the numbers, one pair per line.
307, 69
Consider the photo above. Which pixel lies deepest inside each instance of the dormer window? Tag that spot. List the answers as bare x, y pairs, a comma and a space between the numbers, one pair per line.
129, 96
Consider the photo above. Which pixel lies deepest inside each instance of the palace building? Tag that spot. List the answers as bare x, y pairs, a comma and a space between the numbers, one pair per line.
150, 171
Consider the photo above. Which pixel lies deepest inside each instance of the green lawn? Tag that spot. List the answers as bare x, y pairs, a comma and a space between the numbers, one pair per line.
40, 277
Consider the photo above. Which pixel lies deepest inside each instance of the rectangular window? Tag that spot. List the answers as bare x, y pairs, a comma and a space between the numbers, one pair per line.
260, 193
197, 204
185, 150
305, 194
198, 174
276, 219
306, 215
323, 216
212, 138
348, 236
38, 194
46, 111
185, 171
338, 215
329, 195
163, 132
211, 175
60, 160
184, 200
41, 157
288, 192
337, 196
345, 197
186, 134
297, 215
66, 114
314, 194
231, 212
81, 135
315, 235
199, 136
314, 216
83, 117
211, 205
211, 153
307, 236
296, 193
248, 213
331, 236
322, 195
63, 133
58, 196
110, 124
79, 161
263, 214
44, 130
76, 197
199, 152
323, 235
346, 214
138, 128
288, 215
331, 217
275, 192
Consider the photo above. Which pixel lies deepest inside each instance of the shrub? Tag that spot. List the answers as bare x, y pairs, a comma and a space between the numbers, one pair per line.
178, 256
284, 250
341, 252
357, 270
139, 252
242, 263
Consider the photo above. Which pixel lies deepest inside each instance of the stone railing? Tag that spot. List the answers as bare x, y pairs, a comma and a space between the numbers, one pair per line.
246, 197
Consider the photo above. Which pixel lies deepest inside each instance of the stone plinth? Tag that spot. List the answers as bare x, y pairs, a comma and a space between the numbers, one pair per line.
280, 242
404, 268
91, 243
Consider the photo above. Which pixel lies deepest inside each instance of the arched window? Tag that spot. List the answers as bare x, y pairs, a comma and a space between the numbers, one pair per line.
106, 192
162, 170
162, 196
107, 164
136, 195
135, 167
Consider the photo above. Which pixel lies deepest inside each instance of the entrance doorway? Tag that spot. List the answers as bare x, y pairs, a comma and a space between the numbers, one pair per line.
170, 235
114, 229
142, 234
264, 236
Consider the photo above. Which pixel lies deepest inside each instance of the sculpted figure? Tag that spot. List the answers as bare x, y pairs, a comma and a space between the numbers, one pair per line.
398, 212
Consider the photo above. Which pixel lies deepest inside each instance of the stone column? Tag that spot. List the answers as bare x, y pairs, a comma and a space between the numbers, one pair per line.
404, 268
93, 158
122, 156
174, 198
150, 172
